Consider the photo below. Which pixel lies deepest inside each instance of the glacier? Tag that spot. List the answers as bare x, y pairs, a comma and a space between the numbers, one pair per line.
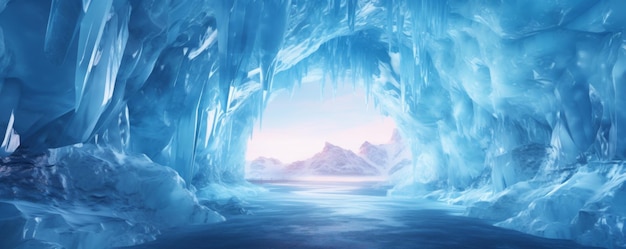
511, 108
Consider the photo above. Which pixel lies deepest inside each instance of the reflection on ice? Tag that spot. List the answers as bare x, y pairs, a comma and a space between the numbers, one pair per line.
349, 214
337, 180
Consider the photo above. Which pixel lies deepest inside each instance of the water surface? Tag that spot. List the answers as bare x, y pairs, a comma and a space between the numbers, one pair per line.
345, 215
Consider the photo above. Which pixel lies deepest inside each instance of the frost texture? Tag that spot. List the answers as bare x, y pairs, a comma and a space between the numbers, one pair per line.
491, 95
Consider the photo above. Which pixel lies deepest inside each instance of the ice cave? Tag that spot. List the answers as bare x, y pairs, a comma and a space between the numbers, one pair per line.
122, 121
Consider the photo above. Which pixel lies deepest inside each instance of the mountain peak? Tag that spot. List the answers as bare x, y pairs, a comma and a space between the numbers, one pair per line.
328, 147
334, 160
366, 144
396, 136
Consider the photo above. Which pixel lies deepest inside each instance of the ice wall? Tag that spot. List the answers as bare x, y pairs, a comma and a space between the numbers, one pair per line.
138, 76
491, 94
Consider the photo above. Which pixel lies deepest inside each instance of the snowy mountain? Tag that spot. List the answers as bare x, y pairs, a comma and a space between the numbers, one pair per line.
333, 160
264, 168
389, 157
372, 160
375, 154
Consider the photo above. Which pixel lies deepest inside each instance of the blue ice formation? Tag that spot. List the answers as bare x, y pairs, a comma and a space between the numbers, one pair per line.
513, 108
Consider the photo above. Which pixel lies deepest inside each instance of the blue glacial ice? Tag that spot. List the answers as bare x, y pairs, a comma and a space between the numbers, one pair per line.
126, 113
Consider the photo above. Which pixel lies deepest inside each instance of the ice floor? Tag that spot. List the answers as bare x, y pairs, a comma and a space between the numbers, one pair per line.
345, 215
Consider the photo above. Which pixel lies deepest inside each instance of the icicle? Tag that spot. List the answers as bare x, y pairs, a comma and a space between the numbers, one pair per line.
352, 5
235, 19
399, 34
389, 29
272, 27
335, 6
355, 59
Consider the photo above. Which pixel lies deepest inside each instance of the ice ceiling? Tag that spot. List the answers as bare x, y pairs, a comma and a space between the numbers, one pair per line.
509, 98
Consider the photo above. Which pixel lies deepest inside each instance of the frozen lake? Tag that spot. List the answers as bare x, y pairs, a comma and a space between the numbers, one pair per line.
345, 215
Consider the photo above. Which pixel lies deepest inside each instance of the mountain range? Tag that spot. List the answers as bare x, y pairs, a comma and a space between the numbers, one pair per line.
332, 160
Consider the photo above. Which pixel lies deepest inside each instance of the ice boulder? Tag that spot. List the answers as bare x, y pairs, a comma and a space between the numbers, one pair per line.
84, 196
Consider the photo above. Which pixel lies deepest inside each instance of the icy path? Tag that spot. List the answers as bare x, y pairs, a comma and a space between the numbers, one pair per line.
347, 215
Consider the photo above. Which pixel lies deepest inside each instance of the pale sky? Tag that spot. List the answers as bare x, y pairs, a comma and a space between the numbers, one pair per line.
296, 127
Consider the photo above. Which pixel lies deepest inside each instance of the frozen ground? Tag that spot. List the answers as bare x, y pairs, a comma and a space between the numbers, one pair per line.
345, 215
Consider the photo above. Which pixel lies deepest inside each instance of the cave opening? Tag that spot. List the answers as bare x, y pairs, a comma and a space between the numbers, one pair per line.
319, 131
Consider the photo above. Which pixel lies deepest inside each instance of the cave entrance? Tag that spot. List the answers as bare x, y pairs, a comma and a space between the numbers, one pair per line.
321, 132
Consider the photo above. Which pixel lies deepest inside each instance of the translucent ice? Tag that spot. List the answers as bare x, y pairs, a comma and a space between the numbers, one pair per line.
494, 97
100, 198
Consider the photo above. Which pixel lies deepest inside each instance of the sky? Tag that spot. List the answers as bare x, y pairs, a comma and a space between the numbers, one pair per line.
296, 127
